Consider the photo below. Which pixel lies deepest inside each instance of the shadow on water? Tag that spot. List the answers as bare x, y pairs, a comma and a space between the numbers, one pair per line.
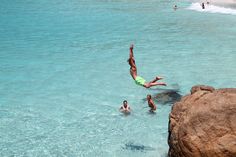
167, 97
137, 147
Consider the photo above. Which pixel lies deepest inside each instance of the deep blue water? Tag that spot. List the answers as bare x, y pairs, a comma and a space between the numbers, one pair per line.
63, 72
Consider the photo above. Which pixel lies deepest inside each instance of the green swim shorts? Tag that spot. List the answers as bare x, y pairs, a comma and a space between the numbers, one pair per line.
140, 81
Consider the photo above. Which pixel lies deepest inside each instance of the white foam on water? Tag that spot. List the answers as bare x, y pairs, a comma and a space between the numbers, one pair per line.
212, 9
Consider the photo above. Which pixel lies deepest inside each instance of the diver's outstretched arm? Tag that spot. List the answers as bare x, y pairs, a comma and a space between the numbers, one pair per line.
131, 54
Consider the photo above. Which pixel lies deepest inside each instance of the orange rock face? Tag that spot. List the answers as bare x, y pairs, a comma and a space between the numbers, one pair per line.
203, 124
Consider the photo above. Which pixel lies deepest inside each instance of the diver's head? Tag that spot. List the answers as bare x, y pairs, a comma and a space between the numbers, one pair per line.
129, 61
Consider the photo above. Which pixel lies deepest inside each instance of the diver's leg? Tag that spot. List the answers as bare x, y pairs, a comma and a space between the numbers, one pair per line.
150, 84
156, 79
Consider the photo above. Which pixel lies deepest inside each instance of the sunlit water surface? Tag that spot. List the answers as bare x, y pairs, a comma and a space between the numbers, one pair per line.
63, 72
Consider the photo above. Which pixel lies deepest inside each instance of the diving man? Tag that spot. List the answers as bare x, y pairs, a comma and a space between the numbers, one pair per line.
139, 80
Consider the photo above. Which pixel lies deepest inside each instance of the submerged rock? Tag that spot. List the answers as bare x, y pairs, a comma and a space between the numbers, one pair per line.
137, 147
167, 97
203, 124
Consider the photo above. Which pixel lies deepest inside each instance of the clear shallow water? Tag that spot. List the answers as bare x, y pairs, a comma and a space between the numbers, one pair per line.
64, 72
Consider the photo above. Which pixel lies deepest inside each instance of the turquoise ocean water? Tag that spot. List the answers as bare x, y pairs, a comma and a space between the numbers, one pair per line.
63, 72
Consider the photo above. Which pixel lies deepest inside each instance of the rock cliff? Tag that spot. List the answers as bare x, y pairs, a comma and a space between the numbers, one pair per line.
203, 124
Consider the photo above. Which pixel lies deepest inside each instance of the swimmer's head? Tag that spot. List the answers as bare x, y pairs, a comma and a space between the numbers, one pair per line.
125, 103
149, 97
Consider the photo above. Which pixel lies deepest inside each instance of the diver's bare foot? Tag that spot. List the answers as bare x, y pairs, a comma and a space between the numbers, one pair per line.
162, 84
159, 78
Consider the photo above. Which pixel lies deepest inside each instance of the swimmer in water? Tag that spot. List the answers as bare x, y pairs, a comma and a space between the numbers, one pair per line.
151, 103
125, 107
175, 7
203, 6
139, 80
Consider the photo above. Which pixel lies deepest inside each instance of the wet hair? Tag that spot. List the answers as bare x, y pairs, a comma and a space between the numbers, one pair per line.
125, 101
129, 61
149, 95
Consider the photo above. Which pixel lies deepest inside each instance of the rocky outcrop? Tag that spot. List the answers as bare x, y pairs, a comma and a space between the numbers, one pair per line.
203, 124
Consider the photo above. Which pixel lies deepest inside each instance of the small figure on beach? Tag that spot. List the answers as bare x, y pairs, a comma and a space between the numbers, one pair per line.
151, 103
125, 107
203, 6
175, 7
208, 2
139, 80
